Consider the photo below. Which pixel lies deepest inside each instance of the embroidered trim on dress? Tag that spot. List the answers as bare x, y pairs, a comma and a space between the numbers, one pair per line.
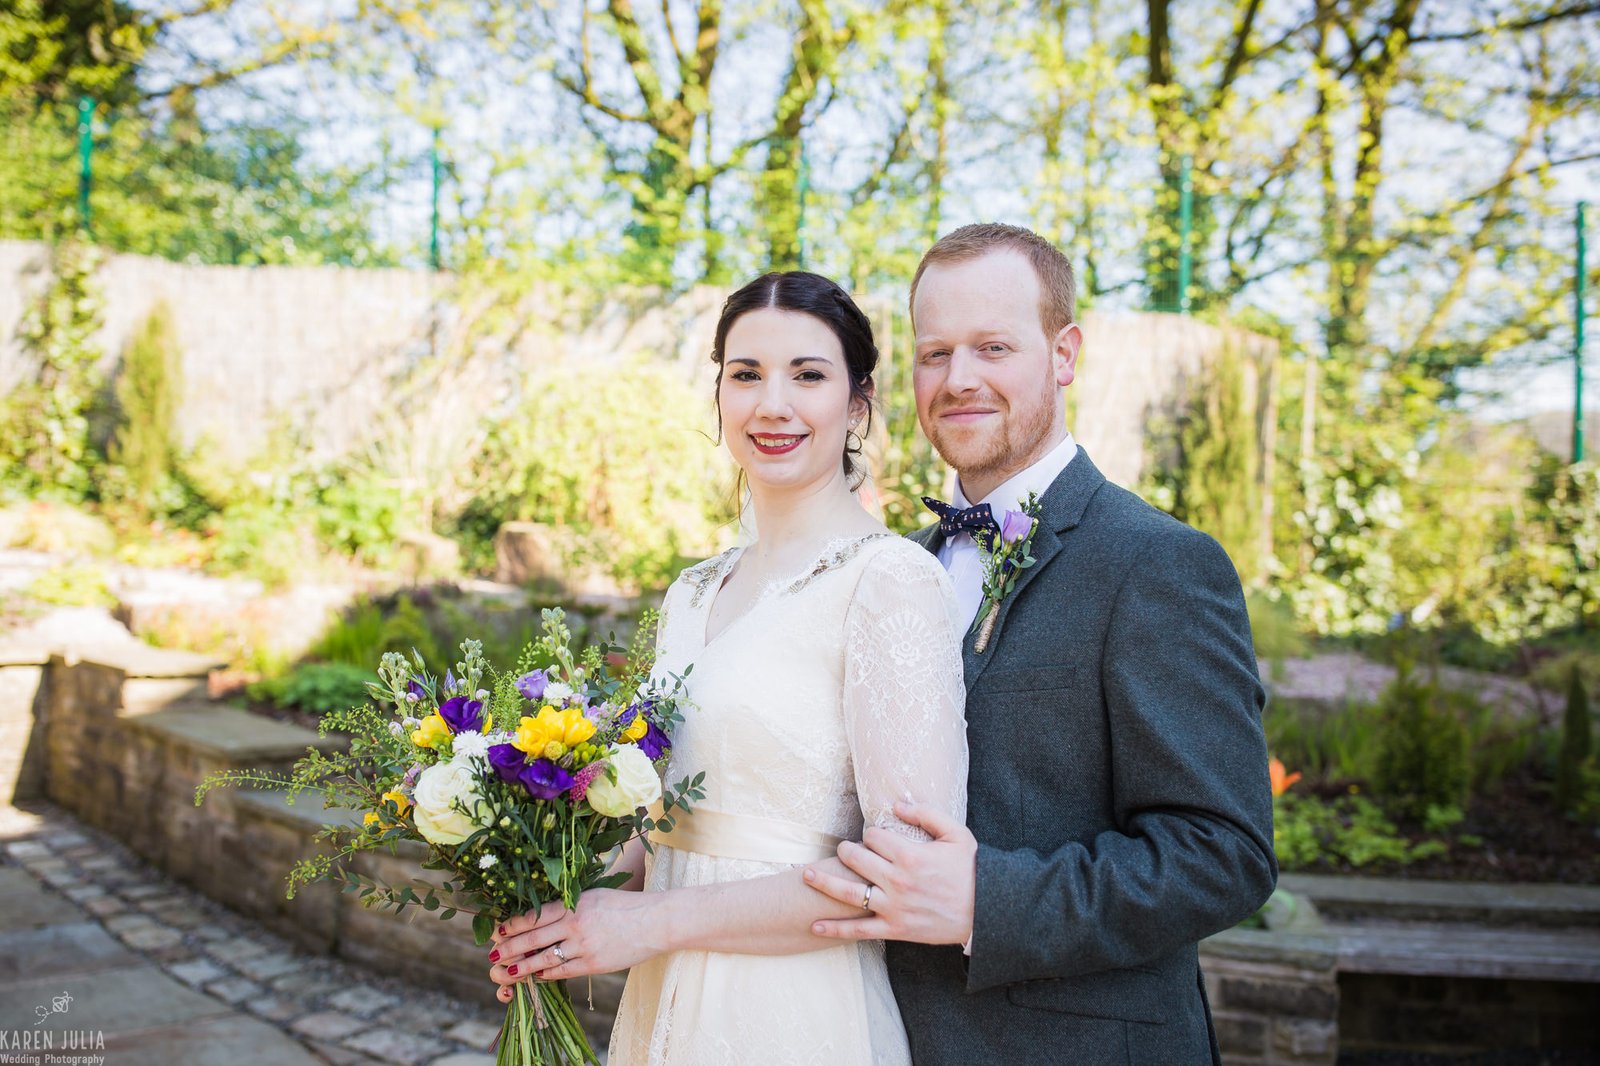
703, 576
833, 557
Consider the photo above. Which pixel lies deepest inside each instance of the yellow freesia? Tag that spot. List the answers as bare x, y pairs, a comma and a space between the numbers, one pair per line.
433, 732
636, 729
552, 732
401, 805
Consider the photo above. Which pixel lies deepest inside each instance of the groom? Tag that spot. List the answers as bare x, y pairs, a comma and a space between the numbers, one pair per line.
1118, 803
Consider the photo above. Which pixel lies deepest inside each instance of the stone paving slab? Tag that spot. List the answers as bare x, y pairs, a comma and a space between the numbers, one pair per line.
28, 905
220, 990
230, 1038
120, 1000
70, 950
1351, 898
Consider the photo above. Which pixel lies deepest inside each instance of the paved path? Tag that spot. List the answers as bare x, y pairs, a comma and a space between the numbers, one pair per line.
158, 975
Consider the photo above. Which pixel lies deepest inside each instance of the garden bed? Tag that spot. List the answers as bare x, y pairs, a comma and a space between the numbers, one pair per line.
1512, 835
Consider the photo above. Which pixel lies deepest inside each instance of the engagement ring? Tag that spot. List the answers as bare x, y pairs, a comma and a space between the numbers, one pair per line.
562, 955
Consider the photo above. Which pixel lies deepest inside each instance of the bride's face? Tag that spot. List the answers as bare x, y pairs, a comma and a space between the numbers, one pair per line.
785, 399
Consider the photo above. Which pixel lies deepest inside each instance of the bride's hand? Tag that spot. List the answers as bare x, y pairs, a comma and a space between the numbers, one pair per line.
611, 930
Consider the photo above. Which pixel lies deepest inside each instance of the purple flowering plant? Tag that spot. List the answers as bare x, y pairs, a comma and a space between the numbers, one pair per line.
513, 782
1005, 554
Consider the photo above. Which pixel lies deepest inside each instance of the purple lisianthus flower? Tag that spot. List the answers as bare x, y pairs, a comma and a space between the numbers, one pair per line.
545, 780
449, 681
508, 761
462, 715
654, 743
414, 688
1015, 526
532, 685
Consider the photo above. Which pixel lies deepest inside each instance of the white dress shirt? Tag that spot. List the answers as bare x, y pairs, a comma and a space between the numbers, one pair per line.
959, 553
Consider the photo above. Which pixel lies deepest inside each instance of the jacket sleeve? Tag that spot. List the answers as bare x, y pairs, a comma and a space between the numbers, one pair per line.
1190, 850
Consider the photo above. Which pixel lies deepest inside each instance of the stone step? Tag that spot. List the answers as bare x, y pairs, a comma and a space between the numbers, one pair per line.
1451, 949
1356, 899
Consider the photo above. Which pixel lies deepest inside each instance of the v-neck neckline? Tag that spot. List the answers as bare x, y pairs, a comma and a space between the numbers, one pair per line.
771, 588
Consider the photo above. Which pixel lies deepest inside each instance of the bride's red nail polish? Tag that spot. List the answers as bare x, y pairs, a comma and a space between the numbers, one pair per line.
494, 956
513, 970
502, 930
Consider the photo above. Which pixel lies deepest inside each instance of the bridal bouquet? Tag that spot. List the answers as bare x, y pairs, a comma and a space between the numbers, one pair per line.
519, 783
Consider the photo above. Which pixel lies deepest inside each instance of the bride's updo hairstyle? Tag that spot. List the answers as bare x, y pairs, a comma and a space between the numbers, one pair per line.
811, 294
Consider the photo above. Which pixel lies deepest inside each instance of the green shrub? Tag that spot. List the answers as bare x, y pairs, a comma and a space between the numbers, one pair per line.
1277, 635
149, 390
1576, 745
1338, 745
316, 687
616, 461
261, 540
1348, 831
368, 631
73, 586
1422, 754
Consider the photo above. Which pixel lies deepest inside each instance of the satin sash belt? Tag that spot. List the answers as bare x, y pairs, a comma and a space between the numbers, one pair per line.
745, 836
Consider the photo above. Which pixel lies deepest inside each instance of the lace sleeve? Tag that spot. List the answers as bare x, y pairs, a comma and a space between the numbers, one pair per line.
904, 698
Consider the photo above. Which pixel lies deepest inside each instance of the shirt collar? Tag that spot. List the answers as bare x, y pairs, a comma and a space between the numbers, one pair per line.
1036, 478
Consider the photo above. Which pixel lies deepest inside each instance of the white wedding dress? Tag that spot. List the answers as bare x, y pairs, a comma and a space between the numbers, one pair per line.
836, 693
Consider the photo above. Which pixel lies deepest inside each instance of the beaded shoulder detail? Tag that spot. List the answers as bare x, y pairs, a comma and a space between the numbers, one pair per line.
703, 577
837, 553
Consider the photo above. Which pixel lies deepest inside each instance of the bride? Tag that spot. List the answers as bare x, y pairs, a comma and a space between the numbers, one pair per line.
826, 686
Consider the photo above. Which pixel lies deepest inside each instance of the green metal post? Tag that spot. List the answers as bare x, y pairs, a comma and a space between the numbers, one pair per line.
433, 230
1577, 348
85, 151
1185, 234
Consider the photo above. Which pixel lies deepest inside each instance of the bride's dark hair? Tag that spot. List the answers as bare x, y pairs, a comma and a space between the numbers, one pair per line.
814, 295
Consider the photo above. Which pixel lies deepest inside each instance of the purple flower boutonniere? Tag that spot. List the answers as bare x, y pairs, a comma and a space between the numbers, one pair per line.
1005, 555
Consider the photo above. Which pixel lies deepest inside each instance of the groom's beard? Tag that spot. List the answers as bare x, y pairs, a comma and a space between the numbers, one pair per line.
1000, 449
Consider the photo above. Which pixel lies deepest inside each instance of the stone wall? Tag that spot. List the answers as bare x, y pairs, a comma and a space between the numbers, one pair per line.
1274, 997
323, 350
22, 725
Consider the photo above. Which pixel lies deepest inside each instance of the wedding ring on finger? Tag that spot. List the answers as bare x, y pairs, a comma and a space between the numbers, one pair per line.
866, 899
556, 950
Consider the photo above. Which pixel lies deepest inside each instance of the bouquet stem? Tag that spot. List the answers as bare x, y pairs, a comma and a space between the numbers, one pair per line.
542, 1029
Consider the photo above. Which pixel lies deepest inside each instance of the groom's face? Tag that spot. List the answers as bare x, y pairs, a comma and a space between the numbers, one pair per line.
987, 378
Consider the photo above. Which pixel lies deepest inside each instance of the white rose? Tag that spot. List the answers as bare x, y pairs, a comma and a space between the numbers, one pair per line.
636, 784
449, 807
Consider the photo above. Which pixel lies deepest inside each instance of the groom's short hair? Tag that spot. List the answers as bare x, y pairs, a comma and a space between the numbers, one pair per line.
1058, 288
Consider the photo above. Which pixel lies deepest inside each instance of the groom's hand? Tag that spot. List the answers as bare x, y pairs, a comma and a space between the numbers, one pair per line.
922, 890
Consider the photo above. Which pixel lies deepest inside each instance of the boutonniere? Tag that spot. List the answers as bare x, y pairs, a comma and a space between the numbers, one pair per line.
1005, 552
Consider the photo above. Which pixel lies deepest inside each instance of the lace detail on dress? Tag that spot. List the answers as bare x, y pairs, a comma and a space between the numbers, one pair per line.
904, 696
703, 577
837, 552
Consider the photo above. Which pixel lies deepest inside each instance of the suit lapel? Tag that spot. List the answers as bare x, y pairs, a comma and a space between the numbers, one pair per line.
1060, 510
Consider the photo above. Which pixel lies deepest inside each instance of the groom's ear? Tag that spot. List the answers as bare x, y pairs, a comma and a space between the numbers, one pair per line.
1064, 354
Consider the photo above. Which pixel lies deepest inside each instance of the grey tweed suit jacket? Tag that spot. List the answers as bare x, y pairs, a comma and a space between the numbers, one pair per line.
1118, 790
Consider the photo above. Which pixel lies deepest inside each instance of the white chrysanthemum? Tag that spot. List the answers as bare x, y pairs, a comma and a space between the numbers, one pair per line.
469, 745
557, 693
487, 861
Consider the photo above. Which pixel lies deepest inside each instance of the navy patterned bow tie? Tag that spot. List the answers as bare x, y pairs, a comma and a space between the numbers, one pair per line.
953, 520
